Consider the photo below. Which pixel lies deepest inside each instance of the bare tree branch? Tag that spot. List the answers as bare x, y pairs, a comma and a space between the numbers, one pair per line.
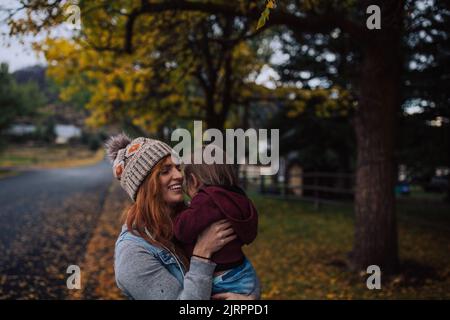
312, 24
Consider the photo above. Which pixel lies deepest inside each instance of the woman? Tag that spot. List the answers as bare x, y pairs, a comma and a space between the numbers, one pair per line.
149, 264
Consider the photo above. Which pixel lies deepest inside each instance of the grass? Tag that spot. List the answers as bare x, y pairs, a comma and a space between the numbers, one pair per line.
300, 253
24, 157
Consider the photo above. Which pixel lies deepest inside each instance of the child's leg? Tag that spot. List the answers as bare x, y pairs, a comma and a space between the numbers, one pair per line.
241, 279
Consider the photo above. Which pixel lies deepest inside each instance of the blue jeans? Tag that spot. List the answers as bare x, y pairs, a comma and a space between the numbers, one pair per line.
241, 279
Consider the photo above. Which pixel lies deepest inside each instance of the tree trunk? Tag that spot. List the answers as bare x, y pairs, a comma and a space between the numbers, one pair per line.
375, 240
447, 146
214, 121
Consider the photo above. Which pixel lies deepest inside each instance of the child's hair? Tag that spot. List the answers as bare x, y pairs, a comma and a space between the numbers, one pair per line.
211, 174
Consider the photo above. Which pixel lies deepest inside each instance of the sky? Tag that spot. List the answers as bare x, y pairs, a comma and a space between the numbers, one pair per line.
19, 55
18, 52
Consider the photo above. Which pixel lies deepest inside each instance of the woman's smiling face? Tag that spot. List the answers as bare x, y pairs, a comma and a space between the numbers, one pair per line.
171, 181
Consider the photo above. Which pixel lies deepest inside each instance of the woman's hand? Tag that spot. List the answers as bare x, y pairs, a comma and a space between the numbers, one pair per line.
213, 238
233, 296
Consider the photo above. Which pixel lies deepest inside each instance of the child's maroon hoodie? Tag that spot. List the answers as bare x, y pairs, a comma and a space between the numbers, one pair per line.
213, 203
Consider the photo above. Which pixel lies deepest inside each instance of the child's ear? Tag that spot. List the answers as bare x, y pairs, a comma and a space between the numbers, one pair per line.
195, 182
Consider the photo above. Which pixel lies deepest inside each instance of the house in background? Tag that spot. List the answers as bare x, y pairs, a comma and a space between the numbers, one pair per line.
67, 123
64, 132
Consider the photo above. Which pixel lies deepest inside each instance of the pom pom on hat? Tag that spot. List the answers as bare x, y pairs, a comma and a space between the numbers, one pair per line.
115, 143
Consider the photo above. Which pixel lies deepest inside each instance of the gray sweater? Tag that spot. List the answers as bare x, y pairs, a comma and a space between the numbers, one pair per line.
140, 275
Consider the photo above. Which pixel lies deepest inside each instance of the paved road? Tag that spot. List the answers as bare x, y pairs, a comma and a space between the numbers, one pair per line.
46, 219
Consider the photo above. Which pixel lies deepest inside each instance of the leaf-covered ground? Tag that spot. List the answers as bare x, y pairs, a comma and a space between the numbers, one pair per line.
47, 219
97, 268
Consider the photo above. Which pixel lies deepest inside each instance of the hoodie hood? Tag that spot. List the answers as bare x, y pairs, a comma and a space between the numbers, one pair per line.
237, 208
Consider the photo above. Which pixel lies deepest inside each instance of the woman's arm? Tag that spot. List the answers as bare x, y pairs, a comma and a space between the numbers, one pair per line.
141, 276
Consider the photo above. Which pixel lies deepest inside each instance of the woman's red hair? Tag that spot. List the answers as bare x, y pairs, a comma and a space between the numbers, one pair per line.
151, 212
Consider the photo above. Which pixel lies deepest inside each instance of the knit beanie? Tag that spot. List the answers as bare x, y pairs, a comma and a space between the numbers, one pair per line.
133, 160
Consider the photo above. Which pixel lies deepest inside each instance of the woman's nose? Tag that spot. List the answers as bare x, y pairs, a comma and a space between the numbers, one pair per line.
176, 174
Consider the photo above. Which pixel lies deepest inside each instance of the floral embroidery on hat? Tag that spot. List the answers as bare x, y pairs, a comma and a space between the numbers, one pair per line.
133, 148
118, 170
